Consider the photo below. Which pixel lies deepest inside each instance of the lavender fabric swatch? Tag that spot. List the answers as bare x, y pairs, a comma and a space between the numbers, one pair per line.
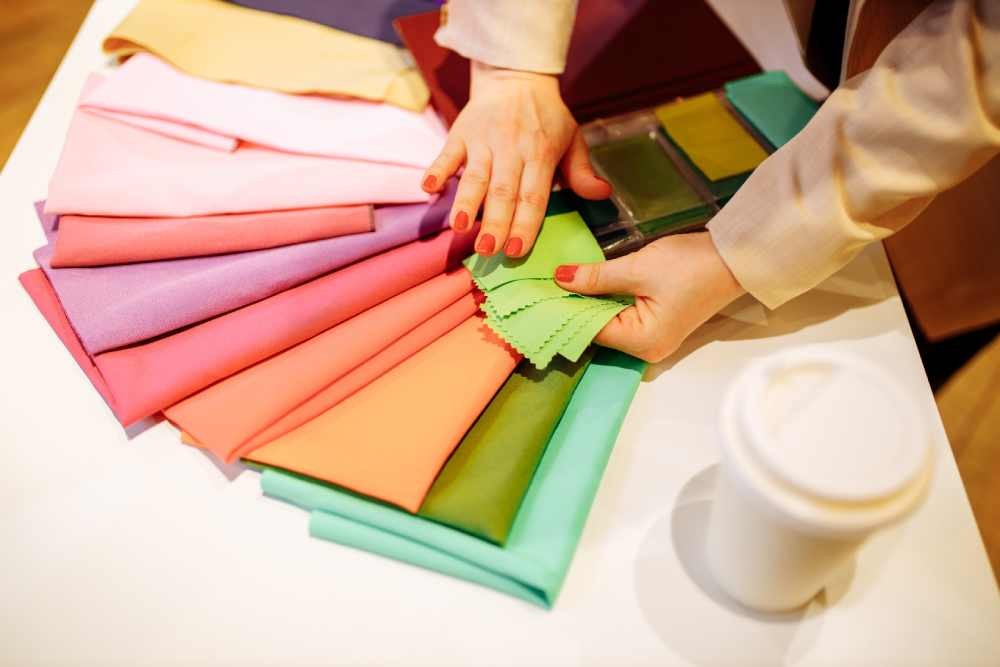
371, 18
113, 306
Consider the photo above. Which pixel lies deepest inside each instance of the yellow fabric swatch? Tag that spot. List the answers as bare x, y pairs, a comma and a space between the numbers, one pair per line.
710, 136
225, 42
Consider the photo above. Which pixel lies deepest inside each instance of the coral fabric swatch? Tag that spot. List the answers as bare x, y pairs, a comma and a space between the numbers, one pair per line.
390, 439
481, 487
224, 42
144, 379
536, 558
145, 88
113, 306
112, 168
710, 136
96, 241
225, 416
372, 18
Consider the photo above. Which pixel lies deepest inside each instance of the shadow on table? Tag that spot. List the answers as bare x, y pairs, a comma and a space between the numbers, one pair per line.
693, 616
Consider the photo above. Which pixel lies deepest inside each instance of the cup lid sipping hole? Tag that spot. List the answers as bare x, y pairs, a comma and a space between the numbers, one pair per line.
832, 425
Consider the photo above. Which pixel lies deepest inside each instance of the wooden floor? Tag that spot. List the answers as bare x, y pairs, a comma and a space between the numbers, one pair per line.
35, 34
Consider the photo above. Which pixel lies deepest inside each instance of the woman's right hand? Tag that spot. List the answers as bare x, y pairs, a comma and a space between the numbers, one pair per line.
510, 137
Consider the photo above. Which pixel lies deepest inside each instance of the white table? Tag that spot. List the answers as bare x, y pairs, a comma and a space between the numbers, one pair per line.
141, 551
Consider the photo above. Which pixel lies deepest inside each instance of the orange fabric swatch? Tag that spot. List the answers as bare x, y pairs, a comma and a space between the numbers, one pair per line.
223, 417
390, 439
85, 240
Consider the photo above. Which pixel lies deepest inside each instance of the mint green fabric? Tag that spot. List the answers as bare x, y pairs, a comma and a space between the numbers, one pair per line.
772, 104
531, 312
547, 529
481, 487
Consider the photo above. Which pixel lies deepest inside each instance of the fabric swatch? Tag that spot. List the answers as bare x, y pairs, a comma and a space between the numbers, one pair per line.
710, 136
389, 440
644, 178
225, 416
145, 88
217, 40
114, 306
481, 487
97, 241
112, 168
371, 18
536, 316
146, 378
545, 534
772, 104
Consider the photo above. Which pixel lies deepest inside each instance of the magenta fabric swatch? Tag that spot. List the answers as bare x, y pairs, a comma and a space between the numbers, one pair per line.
113, 306
115, 169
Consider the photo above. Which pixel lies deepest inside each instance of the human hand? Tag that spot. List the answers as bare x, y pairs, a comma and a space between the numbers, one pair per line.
678, 282
511, 136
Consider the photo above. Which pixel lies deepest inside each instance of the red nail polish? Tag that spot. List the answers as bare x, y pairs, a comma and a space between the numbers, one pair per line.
461, 221
486, 244
566, 273
513, 247
430, 184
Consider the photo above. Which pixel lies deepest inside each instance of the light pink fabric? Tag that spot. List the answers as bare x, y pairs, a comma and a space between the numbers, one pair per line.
145, 88
110, 168
97, 241
174, 130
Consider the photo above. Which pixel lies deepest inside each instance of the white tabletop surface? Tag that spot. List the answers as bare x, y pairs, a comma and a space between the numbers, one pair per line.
139, 550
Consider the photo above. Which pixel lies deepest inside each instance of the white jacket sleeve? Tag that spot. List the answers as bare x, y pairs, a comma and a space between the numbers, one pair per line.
926, 116
528, 35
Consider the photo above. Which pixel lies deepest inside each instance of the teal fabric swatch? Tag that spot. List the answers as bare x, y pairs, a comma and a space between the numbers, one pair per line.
772, 104
545, 534
525, 306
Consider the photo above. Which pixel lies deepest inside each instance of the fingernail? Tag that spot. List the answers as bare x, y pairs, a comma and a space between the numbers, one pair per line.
430, 184
461, 221
566, 273
513, 247
486, 244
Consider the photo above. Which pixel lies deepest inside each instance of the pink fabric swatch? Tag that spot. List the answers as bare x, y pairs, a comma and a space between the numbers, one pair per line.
146, 88
110, 168
98, 241
143, 379
174, 130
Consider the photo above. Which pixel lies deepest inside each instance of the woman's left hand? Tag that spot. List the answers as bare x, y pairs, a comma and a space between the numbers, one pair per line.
678, 283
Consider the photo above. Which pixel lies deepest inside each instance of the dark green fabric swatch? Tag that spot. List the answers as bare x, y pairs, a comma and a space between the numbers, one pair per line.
480, 488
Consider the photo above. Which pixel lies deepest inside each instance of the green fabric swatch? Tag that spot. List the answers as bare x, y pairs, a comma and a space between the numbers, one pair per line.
481, 487
644, 177
545, 534
531, 312
772, 104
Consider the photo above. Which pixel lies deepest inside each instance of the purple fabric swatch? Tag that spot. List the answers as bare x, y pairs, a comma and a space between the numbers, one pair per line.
113, 306
371, 18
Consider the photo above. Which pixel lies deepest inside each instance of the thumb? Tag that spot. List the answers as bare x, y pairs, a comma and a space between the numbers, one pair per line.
579, 173
612, 277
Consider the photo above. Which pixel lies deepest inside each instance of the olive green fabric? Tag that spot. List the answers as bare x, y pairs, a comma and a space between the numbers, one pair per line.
481, 487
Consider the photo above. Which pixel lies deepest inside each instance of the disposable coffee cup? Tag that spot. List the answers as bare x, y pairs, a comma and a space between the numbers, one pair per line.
820, 449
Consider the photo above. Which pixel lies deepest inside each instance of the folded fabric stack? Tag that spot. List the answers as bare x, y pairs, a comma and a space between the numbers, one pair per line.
237, 239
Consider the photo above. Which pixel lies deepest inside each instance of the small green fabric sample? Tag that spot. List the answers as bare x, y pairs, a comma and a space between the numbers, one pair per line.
644, 178
481, 487
547, 529
525, 306
772, 104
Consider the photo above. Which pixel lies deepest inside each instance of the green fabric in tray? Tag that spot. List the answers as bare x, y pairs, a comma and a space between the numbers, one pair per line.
481, 486
772, 104
545, 534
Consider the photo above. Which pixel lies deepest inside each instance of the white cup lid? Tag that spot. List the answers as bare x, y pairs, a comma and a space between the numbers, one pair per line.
832, 425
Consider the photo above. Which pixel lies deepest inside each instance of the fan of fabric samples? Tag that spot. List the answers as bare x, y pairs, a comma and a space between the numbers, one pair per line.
140, 380
533, 563
217, 40
113, 168
371, 18
529, 310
